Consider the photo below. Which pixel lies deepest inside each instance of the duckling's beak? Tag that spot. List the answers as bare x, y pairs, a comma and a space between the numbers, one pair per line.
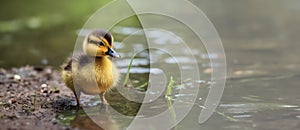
111, 52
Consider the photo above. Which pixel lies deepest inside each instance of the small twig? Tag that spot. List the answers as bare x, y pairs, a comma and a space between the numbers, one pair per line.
215, 111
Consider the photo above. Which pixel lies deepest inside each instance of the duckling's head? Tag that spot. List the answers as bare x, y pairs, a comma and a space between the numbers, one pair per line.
99, 43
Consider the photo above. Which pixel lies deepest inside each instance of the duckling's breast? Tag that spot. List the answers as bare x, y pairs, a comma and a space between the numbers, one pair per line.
104, 74
97, 77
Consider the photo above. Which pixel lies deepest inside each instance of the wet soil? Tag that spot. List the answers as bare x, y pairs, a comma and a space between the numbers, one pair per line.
32, 98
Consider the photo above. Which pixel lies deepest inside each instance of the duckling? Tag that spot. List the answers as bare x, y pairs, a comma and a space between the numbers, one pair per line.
84, 69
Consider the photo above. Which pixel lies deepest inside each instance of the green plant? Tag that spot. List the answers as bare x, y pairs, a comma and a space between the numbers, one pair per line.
169, 88
34, 100
128, 70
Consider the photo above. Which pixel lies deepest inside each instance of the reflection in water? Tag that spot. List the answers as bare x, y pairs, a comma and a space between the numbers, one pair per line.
93, 116
252, 107
99, 119
136, 62
138, 70
161, 38
176, 60
83, 121
127, 30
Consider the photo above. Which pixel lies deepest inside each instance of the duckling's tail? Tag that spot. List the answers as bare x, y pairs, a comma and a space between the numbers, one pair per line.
66, 74
67, 66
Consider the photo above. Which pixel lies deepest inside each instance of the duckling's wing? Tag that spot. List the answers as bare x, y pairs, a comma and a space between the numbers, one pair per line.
84, 60
68, 65
79, 59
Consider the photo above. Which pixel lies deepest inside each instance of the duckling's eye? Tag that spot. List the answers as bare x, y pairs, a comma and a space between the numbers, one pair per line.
100, 44
97, 43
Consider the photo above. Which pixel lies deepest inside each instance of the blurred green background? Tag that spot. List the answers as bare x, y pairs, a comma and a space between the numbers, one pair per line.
41, 32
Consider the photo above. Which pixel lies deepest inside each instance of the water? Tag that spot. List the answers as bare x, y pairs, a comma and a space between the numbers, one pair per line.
260, 41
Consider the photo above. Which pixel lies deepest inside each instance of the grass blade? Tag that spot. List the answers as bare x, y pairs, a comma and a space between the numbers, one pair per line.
169, 88
128, 70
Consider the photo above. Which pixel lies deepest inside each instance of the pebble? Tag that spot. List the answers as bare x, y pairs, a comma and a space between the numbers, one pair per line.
44, 85
12, 101
56, 91
17, 77
48, 71
44, 91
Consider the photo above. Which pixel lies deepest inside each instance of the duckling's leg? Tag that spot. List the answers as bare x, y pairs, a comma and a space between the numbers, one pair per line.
77, 96
104, 101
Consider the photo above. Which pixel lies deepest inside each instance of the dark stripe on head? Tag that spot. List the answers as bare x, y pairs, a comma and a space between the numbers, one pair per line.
104, 34
108, 37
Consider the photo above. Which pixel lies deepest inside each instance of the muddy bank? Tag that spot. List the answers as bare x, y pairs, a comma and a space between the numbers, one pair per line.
32, 98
